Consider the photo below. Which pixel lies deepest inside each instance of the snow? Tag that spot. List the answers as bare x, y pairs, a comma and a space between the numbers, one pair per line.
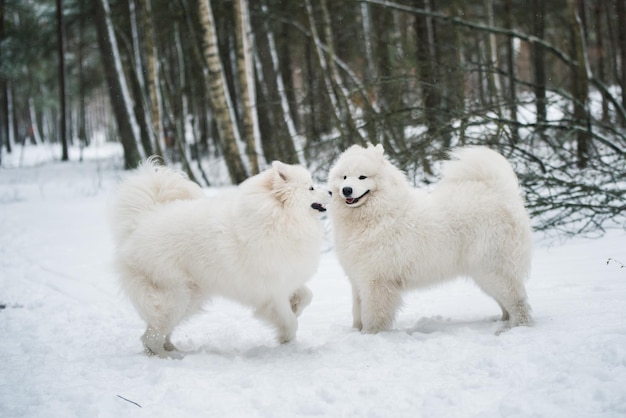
70, 340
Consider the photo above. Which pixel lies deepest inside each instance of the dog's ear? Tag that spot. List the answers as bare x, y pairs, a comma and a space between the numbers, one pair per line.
353, 148
380, 149
280, 181
280, 170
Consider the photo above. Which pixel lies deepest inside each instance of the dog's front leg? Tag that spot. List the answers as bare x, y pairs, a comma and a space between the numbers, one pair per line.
300, 299
356, 308
380, 301
278, 312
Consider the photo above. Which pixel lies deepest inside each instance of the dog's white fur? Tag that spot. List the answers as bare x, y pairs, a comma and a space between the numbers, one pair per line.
257, 244
394, 237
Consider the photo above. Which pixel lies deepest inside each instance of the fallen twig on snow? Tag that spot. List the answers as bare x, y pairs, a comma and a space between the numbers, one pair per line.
128, 400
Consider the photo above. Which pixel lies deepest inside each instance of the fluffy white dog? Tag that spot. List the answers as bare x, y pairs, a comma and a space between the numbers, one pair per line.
257, 244
391, 237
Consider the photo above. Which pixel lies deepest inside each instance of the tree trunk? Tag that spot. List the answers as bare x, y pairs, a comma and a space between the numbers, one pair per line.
580, 94
267, 125
459, 76
138, 84
118, 89
347, 109
373, 87
34, 132
493, 76
368, 39
11, 125
61, 56
4, 117
81, 117
428, 68
333, 86
601, 70
511, 65
385, 92
245, 73
621, 41
220, 99
539, 65
181, 140
290, 154
152, 74
140, 111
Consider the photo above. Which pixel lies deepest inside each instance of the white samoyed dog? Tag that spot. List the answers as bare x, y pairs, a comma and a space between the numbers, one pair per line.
257, 244
391, 237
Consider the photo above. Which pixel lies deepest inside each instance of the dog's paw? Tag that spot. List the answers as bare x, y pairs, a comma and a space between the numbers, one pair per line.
371, 330
166, 354
286, 334
285, 339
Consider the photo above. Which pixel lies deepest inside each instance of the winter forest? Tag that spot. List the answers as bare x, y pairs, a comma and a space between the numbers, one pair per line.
221, 88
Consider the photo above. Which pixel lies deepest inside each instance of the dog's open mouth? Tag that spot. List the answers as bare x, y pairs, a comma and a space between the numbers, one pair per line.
355, 200
319, 207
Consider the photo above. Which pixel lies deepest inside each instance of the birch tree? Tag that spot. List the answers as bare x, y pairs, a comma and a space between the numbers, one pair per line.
152, 74
220, 98
138, 83
245, 73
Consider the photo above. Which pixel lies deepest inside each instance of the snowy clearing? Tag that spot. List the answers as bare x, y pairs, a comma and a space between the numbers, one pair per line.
71, 340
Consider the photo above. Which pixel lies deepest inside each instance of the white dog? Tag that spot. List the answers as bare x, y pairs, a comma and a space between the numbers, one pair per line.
391, 237
257, 244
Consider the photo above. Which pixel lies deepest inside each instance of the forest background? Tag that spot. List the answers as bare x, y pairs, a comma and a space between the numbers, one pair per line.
222, 87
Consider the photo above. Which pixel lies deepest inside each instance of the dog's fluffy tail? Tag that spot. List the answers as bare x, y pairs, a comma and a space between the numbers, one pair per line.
147, 187
477, 163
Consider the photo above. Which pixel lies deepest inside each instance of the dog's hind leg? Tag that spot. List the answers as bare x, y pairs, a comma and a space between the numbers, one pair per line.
168, 345
510, 294
162, 309
380, 301
156, 342
505, 313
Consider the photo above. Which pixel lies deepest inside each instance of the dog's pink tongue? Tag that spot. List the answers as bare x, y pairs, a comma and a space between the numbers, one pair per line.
350, 200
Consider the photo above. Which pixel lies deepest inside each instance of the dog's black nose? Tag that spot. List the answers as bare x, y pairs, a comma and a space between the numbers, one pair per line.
347, 191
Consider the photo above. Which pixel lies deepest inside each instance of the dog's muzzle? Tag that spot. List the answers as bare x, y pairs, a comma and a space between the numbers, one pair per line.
319, 207
347, 191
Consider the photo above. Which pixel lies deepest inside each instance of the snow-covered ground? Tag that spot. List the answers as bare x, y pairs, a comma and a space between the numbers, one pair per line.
69, 341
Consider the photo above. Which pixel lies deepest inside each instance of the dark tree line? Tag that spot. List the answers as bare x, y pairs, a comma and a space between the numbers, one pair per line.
230, 85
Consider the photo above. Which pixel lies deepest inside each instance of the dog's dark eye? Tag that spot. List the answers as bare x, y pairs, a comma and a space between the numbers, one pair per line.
311, 188
362, 177
345, 177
